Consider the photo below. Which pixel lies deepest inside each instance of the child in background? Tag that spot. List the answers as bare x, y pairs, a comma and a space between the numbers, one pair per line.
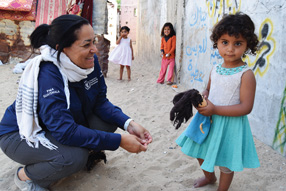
230, 96
123, 53
168, 47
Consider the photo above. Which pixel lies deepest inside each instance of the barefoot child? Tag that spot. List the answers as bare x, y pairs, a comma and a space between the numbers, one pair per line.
230, 95
123, 53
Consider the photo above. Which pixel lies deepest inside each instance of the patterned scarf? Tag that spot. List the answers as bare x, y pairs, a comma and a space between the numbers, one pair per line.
27, 97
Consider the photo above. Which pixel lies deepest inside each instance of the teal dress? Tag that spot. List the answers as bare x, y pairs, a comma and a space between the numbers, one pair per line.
229, 142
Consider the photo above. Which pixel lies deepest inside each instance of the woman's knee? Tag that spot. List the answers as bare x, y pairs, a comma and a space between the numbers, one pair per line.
73, 160
79, 158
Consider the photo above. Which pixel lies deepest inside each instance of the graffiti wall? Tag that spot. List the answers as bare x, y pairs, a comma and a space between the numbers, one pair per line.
195, 57
152, 15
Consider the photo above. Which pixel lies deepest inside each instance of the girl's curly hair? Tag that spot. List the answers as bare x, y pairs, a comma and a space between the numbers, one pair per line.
235, 25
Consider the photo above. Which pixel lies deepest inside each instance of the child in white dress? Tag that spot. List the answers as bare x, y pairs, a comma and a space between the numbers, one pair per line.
230, 96
123, 53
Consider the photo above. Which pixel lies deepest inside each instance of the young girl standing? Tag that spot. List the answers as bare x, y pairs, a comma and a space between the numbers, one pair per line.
168, 47
230, 95
123, 53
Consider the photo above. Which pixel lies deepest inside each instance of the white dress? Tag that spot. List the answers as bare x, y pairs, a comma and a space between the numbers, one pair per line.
122, 54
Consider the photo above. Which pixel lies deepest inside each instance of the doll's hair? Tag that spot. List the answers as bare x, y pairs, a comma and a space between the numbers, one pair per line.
172, 32
125, 28
183, 106
236, 25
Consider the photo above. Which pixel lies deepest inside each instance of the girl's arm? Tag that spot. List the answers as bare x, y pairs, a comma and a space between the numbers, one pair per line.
206, 92
162, 47
131, 49
118, 41
247, 94
173, 46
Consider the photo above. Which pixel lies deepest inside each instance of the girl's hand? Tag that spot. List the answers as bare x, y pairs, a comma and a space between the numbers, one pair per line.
162, 54
205, 94
119, 39
139, 131
132, 144
208, 110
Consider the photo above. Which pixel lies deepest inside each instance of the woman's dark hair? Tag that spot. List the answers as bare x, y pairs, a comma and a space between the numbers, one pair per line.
172, 32
125, 28
61, 33
235, 25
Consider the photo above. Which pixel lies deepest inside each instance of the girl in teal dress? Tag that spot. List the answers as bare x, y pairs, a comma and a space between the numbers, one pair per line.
230, 96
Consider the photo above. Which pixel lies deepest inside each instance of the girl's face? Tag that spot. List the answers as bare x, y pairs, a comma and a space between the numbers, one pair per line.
167, 30
124, 33
231, 48
81, 52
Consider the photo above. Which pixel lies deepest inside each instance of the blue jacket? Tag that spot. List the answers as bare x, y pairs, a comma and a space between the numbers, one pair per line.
69, 126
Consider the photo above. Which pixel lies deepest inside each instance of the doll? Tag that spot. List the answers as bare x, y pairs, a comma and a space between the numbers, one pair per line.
183, 111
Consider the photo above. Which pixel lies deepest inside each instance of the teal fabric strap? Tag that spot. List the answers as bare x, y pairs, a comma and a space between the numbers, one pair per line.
229, 71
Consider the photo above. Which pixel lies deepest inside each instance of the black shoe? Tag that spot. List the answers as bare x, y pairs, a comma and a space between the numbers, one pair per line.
94, 158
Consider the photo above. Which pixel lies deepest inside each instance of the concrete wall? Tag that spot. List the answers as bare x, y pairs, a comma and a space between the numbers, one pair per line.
112, 22
193, 21
128, 17
99, 17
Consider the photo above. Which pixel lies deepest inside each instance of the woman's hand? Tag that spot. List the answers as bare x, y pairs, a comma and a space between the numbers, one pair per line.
207, 110
132, 144
139, 131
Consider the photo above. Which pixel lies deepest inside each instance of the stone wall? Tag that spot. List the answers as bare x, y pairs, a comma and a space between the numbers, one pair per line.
128, 17
14, 40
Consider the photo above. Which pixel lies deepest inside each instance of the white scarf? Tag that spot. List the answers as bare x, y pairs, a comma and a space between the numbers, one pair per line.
27, 97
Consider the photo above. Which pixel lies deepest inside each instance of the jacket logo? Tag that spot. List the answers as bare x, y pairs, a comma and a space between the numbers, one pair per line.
89, 83
50, 91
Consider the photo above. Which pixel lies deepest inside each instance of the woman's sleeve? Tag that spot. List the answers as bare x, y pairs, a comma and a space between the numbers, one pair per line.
103, 107
54, 115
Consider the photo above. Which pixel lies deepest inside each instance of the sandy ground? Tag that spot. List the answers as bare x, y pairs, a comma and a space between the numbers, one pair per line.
163, 166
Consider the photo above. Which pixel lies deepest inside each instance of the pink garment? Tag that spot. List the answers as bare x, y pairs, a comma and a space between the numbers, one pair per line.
16, 5
164, 66
48, 10
19, 15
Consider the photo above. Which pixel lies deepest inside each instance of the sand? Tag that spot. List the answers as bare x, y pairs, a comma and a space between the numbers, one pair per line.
163, 166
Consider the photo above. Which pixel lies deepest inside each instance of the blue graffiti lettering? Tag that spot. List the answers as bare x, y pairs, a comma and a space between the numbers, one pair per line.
197, 49
215, 57
195, 74
198, 18
190, 67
